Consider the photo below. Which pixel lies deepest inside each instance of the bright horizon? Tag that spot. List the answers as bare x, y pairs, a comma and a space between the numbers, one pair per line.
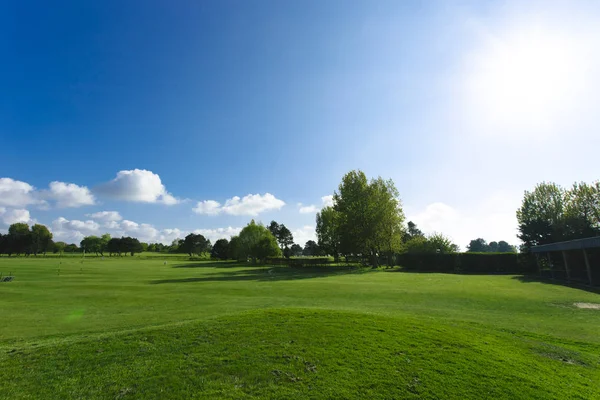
158, 120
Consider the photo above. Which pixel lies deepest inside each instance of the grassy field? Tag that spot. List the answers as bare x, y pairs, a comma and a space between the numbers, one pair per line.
140, 328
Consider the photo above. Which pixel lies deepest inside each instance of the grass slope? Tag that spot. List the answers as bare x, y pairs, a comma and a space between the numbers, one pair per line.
127, 328
302, 353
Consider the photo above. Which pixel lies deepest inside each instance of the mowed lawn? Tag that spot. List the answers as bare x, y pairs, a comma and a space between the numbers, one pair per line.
137, 328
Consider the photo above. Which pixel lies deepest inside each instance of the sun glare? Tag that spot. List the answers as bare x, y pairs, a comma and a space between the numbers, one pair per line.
528, 78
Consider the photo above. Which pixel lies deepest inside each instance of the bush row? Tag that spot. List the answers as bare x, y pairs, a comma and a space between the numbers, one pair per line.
299, 262
469, 263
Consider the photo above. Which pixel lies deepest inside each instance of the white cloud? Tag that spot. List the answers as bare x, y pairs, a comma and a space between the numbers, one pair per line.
12, 216
308, 209
326, 201
493, 219
73, 231
252, 205
137, 185
207, 207
106, 216
218, 233
304, 234
69, 195
16, 193
112, 225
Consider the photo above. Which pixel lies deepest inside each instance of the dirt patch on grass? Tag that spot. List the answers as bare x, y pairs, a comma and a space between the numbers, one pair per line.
590, 306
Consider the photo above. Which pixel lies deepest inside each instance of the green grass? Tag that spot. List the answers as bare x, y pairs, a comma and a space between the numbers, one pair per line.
137, 328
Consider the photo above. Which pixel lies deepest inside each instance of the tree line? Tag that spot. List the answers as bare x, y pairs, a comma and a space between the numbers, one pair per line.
550, 213
366, 220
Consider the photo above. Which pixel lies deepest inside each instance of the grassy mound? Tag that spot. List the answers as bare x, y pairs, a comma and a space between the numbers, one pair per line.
297, 353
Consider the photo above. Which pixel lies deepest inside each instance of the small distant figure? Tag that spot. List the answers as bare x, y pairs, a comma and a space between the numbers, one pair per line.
103, 257
165, 263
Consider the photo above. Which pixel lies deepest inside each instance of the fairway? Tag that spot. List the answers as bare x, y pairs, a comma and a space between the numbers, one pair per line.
135, 327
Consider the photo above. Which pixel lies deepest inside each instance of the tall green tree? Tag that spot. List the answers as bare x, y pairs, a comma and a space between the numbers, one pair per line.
19, 238
59, 247
478, 246
220, 249
311, 249
91, 244
195, 244
413, 231
257, 243
41, 239
541, 216
328, 231
282, 234
551, 214
296, 250
370, 216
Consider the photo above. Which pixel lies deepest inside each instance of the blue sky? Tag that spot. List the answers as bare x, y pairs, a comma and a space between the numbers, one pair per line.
148, 108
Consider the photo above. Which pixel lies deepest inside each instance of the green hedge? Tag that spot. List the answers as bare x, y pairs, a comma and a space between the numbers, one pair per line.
299, 262
468, 263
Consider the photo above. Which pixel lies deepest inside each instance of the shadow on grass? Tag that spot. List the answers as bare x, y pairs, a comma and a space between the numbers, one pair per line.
213, 264
263, 274
548, 281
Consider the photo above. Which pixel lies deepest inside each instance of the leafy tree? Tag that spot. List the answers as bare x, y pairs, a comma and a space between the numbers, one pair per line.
274, 228
551, 214
41, 239
370, 216
478, 246
296, 250
235, 249
114, 246
257, 242
59, 247
282, 234
104, 243
493, 247
220, 249
176, 246
328, 232
582, 210
130, 245
144, 246
311, 248
195, 244
504, 247
19, 238
436, 243
413, 231
3, 244
71, 248
284, 237
442, 244
541, 216
91, 244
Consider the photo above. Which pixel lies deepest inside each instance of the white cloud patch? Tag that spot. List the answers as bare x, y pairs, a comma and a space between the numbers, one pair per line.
304, 234
493, 220
106, 216
138, 185
207, 207
15, 193
252, 205
326, 201
72, 231
15, 215
69, 195
218, 233
307, 209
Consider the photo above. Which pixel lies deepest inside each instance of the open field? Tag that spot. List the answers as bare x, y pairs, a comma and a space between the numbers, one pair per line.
137, 328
